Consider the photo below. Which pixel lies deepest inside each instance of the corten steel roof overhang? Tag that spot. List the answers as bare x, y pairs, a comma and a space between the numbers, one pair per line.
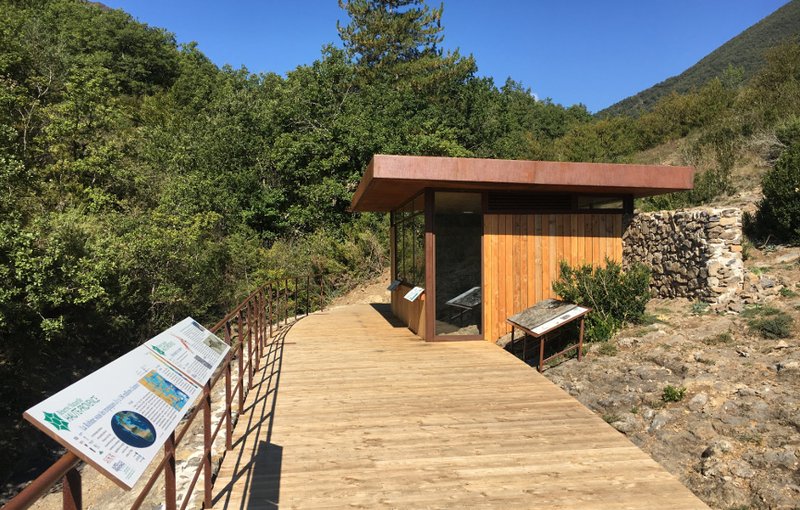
389, 181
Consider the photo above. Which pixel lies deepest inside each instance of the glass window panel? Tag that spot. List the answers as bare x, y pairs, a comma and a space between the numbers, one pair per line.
589, 202
419, 249
419, 203
458, 224
398, 251
408, 253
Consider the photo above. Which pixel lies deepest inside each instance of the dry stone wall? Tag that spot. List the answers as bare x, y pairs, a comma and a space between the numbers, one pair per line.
693, 253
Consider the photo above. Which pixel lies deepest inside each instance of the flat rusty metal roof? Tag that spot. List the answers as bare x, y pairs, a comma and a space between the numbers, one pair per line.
389, 181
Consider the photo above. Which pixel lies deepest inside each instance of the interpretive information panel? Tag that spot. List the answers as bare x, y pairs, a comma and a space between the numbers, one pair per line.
191, 348
118, 417
557, 321
414, 293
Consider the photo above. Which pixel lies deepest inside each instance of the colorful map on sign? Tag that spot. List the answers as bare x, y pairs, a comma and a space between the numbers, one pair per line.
165, 390
133, 429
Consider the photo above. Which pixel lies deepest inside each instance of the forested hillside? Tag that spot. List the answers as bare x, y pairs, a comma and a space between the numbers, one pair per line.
141, 183
745, 51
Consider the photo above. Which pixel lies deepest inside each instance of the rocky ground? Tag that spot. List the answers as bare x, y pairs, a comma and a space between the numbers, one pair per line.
730, 426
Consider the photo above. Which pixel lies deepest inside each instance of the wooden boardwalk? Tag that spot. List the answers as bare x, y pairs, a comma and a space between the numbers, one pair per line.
355, 412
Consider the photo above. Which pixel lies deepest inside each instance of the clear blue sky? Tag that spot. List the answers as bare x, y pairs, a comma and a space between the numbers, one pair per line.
581, 51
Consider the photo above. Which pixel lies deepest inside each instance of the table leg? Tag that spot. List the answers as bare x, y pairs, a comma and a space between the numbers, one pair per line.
524, 347
580, 342
541, 353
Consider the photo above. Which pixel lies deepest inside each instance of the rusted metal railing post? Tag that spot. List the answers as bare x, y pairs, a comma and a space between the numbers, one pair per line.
207, 487
269, 308
263, 309
71, 493
240, 334
256, 333
285, 301
228, 403
250, 363
170, 492
308, 295
260, 320
42, 484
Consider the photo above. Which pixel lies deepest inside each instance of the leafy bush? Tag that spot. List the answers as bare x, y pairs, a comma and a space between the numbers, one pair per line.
778, 325
615, 296
778, 213
672, 393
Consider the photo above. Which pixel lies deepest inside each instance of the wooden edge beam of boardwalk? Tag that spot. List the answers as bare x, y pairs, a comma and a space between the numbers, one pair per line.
352, 410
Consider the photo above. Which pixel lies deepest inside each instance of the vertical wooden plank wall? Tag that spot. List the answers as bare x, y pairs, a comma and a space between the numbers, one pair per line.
412, 314
522, 253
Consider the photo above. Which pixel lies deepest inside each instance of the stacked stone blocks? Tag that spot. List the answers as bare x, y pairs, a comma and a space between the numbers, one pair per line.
693, 253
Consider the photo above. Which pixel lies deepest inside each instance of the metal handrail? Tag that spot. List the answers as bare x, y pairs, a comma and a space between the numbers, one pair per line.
248, 329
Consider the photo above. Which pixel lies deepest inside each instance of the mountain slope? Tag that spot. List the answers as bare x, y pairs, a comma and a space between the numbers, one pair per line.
745, 50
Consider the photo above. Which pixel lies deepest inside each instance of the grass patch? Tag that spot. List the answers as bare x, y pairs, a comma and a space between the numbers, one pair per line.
747, 249
699, 308
773, 326
640, 332
722, 338
750, 437
787, 292
611, 417
759, 310
607, 349
672, 393
648, 319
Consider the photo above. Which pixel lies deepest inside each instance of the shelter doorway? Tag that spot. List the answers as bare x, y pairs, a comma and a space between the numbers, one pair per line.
458, 231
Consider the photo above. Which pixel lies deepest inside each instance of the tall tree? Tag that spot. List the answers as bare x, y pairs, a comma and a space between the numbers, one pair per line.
398, 41
384, 33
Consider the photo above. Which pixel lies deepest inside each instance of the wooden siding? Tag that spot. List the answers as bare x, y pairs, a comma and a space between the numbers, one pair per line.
411, 314
522, 252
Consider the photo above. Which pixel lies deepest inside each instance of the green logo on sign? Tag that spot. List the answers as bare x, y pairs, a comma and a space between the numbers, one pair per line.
58, 422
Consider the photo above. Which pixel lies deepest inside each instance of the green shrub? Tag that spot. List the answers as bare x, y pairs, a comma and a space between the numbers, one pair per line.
777, 325
759, 310
722, 338
608, 349
747, 246
778, 215
672, 393
700, 308
616, 297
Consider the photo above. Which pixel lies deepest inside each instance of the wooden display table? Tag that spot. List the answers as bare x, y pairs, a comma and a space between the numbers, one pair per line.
543, 318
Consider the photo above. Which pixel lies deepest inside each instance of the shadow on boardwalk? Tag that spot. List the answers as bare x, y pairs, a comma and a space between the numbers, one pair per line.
258, 466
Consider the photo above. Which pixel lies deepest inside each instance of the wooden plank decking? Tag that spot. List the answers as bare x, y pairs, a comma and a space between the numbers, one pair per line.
357, 413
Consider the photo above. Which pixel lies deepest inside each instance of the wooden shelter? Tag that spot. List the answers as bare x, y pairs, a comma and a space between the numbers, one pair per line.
484, 237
